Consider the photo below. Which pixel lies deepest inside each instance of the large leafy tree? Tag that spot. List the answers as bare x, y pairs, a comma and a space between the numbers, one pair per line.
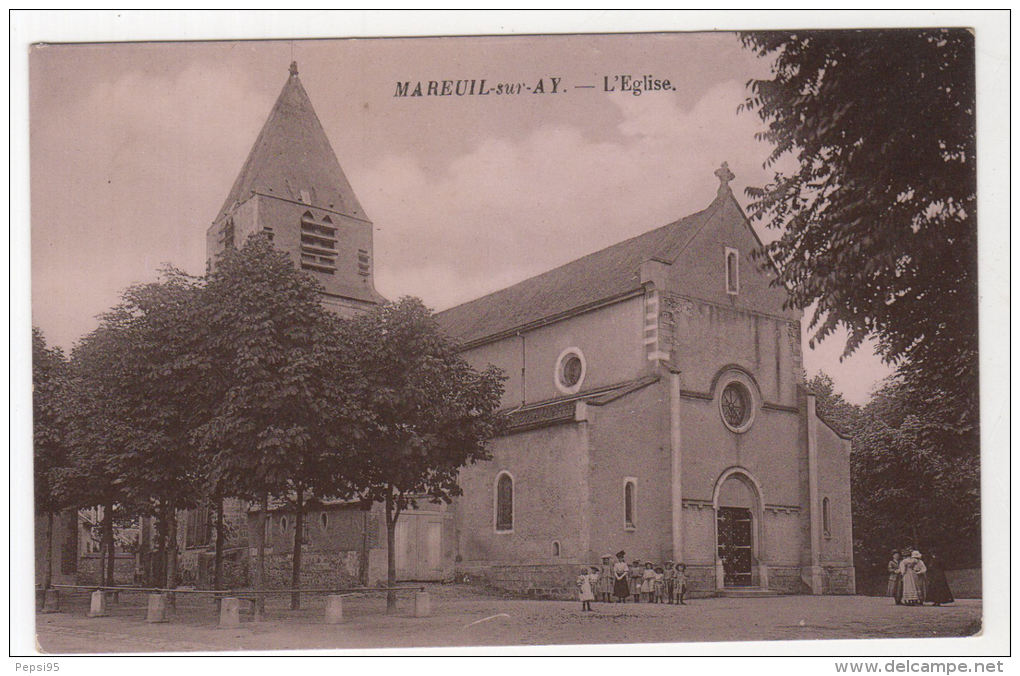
879, 231
427, 413
878, 216
907, 489
274, 406
159, 378
99, 434
49, 384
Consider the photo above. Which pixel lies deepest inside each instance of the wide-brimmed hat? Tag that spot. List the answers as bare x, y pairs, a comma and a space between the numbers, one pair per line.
916, 554
607, 556
621, 553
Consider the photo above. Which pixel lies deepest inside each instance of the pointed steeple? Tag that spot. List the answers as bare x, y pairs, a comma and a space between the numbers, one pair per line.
293, 160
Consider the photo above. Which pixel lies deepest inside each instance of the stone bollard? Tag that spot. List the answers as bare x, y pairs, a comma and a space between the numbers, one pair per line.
422, 604
230, 613
157, 608
98, 605
51, 601
334, 609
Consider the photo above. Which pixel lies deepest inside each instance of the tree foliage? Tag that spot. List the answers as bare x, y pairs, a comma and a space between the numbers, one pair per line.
427, 411
878, 218
264, 332
50, 372
157, 375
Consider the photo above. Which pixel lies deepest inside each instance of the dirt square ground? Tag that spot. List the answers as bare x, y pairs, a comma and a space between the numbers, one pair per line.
467, 616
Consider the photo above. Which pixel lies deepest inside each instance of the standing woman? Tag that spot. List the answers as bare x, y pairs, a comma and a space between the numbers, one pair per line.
621, 578
908, 569
938, 586
894, 588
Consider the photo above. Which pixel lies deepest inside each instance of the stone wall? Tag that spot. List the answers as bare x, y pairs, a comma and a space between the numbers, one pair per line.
197, 568
787, 580
540, 581
839, 580
700, 580
123, 569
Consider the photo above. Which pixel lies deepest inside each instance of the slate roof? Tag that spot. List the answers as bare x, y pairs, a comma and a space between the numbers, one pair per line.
561, 409
599, 276
291, 154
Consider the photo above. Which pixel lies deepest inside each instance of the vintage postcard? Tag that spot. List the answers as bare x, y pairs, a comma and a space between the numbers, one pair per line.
592, 339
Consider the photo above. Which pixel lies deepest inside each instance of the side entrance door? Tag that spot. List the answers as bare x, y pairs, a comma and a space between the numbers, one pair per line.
419, 546
734, 528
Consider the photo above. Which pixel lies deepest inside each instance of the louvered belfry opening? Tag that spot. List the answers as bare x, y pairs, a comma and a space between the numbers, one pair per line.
318, 245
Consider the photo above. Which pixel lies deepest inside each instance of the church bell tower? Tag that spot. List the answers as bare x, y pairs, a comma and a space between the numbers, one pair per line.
292, 188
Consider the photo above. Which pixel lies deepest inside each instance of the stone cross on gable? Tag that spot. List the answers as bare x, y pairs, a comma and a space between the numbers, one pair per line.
724, 175
293, 67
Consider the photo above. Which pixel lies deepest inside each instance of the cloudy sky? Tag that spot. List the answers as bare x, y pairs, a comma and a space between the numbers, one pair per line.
134, 147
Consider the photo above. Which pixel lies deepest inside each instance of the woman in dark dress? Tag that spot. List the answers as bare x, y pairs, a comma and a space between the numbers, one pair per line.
938, 587
621, 576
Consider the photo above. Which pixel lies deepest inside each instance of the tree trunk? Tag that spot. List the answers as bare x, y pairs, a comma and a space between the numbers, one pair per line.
363, 559
48, 574
391, 553
260, 561
144, 526
108, 539
159, 560
218, 565
299, 524
171, 549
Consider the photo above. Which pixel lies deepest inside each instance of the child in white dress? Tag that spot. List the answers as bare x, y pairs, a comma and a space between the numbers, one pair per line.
586, 582
648, 582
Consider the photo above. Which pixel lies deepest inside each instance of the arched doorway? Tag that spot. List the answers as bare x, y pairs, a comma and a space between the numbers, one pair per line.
738, 525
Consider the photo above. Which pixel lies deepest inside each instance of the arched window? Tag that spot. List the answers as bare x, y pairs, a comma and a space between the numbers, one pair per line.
732, 271
283, 524
504, 502
556, 548
826, 519
629, 502
323, 519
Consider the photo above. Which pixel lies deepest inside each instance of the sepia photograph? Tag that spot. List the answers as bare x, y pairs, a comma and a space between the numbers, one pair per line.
589, 338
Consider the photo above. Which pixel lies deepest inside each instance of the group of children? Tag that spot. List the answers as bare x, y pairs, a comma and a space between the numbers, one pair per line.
655, 584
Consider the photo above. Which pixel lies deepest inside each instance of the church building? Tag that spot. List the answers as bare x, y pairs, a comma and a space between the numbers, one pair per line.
655, 391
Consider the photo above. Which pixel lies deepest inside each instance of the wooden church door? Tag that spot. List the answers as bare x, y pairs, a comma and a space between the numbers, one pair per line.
734, 528
419, 546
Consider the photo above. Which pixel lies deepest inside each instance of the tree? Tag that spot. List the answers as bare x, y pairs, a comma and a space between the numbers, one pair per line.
99, 435
159, 378
426, 413
272, 368
879, 217
831, 407
907, 488
49, 381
